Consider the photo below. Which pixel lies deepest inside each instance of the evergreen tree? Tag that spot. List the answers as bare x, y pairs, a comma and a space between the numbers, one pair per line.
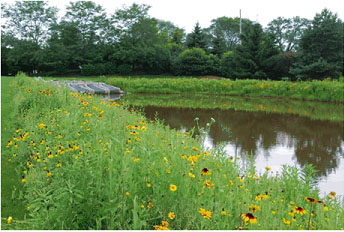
321, 48
254, 58
218, 44
197, 38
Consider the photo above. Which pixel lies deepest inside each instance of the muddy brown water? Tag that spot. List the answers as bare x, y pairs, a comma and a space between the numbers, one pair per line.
272, 139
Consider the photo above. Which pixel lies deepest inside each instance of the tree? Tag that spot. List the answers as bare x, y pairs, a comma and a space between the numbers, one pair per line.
140, 48
229, 30
193, 61
197, 38
255, 57
321, 48
288, 32
218, 44
64, 50
29, 20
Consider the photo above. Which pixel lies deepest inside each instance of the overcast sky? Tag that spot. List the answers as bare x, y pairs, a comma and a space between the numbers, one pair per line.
185, 13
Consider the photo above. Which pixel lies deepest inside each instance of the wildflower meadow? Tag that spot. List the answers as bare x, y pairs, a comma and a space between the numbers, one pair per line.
86, 163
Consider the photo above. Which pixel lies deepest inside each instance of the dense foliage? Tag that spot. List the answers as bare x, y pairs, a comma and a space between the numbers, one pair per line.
90, 173
88, 41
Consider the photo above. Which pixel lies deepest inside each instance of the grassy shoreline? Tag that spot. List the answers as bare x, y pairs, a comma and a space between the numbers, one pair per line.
331, 91
96, 165
327, 90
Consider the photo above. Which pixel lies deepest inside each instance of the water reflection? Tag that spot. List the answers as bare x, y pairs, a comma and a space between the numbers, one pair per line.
274, 139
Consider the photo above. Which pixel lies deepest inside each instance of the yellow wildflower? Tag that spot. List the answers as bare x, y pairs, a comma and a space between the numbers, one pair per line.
173, 187
171, 215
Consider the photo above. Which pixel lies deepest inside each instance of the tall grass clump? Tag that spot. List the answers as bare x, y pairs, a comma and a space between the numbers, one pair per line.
331, 91
90, 164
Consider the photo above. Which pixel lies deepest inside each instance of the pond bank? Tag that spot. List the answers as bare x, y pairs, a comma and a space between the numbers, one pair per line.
98, 165
330, 91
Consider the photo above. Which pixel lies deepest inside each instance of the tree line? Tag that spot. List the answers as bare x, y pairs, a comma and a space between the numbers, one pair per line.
88, 41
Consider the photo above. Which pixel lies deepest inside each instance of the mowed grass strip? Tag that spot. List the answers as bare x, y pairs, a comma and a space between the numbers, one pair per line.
91, 164
11, 197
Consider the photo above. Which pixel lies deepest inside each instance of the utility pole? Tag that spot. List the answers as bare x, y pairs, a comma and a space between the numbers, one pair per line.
240, 21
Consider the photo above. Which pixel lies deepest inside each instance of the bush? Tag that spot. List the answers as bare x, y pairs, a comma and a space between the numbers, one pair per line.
193, 62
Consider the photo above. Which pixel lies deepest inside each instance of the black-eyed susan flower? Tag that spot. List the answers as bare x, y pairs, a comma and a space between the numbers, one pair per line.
193, 158
29, 164
9, 220
48, 173
134, 133
286, 221
267, 168
248, 217
208, 184
260, 197
23, 179
195, 148
171, 215
41, 125
205, 213
159, 227
291, 213
59, 164
173, 187
325, 208
164, 223
206, 172
254, 208
191, 175
312, 200
299, 210
223, 212
150, 205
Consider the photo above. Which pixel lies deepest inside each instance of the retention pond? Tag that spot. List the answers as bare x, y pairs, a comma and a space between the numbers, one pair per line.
271, 132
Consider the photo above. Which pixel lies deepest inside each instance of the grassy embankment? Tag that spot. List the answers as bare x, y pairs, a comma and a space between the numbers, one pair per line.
330, 91
90, 164
310, 109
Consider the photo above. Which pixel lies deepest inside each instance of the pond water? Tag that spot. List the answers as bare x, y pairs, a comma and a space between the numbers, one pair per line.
273, 139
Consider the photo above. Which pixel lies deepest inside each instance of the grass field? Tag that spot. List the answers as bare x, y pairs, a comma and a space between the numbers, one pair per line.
90, 164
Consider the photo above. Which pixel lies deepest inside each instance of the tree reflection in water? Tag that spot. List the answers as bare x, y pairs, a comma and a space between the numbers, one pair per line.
314, 141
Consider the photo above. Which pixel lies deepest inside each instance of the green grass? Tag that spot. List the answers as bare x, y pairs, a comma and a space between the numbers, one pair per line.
310, 109
11, 202
327, 90
90, 164
331, 91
